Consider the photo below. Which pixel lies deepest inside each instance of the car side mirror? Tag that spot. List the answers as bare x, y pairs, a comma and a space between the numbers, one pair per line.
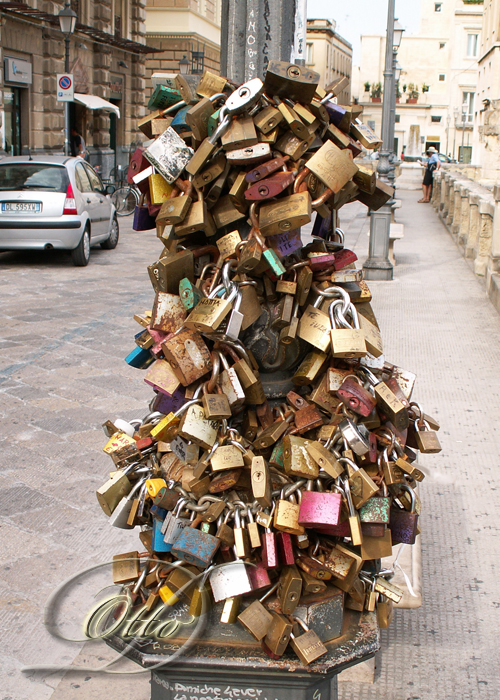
110, 189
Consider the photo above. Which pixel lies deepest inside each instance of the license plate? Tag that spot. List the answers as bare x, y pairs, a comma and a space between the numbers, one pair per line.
22, 206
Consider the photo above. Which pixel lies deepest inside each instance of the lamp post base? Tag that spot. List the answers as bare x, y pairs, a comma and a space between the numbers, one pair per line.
378, 269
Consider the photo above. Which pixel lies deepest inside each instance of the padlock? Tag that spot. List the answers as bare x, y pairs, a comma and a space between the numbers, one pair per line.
241, 542
269, 554
195, 427
349, 341
287, 80
278, 636
231, 385
230, 610
111, 493
388, 589
314, 567
126, 567
195, 546
202, 599
311, 585
308, 646
289, 589
426, 440
224, 532
356, 397
324, 458
215, 403
175, 525
361, 485
285, 548
376, 511
261, 482
256, 619
229, 581
387, 402
403, 523
354, 521
296, 459
385, 612
286, 515
121, 514
319, 509
169, 154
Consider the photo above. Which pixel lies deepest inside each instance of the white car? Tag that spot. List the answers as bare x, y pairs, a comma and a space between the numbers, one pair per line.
55, 202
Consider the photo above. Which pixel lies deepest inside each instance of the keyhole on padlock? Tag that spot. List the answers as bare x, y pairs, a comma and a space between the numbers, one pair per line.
243, 92
293, 71
258, 476
293, 597
285, 225
263, 191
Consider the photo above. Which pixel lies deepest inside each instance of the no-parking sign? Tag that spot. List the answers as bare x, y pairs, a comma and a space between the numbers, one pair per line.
65, 87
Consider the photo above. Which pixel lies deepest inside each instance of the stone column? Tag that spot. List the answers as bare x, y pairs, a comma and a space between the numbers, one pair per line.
483, 248
463, 219
493, 265
473, 235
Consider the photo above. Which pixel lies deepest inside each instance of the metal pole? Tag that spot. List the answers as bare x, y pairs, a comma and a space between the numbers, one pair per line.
464, 116
378, 265
393, 157
448, 119
66, 104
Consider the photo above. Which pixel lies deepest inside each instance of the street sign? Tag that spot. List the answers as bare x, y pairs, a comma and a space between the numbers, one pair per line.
65, 87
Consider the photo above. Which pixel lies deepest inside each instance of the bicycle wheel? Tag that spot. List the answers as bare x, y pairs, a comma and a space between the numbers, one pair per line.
124, 199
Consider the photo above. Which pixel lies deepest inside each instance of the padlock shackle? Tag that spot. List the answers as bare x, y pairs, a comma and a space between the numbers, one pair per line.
299, 181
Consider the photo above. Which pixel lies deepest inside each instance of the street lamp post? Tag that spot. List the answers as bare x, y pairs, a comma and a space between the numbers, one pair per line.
464, 118
455, 114
67, 22
378, 266
396, 69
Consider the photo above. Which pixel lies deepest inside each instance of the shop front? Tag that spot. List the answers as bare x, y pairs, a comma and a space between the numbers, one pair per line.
16, 99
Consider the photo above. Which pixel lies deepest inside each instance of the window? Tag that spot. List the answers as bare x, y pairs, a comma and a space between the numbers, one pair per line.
468, 106
95, 180
397, 118
442, 44
309, 53
472, 43
82, 181
371, 124
35, 177
438, 6
442, 77
435, 119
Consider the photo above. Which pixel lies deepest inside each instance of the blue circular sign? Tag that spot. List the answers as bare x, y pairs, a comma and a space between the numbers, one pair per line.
65, 82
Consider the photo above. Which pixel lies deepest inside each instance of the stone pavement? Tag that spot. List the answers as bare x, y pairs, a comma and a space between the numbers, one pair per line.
65, 332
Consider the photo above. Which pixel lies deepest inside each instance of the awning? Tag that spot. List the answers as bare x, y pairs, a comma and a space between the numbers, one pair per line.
94, 102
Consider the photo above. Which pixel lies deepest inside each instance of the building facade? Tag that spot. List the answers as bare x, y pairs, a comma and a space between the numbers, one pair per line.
329, 54
437, 103
487, 131
107, 58
183, 30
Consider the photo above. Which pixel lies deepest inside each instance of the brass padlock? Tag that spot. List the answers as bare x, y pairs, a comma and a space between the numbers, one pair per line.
188, 356
289, 589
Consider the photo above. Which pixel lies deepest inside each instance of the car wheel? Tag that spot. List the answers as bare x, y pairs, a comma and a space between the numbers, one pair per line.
112, 241
81, 254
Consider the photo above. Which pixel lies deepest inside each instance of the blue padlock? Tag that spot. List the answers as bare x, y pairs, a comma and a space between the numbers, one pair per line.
196, 547
139, 358
179, 121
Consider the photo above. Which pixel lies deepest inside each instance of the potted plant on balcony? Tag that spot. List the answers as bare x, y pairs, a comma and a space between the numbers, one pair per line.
398, 92
425, 88
376, 93
367, 86
412, 98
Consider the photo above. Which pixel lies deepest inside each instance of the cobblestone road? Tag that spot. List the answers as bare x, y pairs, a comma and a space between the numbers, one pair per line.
65, 332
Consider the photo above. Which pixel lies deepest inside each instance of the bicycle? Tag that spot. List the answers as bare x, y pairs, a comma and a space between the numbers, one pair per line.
125, 199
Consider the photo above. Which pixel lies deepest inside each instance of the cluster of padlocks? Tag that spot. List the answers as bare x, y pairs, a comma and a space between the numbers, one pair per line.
277, 459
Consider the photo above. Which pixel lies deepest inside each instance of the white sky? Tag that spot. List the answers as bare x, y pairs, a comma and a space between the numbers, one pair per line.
356, 17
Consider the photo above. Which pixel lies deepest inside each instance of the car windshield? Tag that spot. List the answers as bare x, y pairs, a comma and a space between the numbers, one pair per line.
33, 176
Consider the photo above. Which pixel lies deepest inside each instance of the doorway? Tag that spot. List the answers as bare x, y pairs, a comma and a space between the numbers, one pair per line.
12, 118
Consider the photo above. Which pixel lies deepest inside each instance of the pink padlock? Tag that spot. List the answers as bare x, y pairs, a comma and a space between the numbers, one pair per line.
269, 550
259, 578
320, 509
285, 547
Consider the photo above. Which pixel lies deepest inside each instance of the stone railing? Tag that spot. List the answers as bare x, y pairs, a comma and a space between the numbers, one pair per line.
472, 215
